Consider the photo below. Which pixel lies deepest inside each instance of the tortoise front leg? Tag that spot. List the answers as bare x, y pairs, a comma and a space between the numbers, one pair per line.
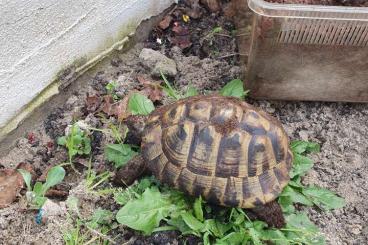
131, 171
271, 213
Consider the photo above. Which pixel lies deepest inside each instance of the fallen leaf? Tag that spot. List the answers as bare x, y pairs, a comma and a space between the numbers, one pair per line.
122, 111
93, 102
180, 30
144, 81
195, 10
119, 108
181, 41
50, 145
181, 37
212, 5
11, 182
108, 105
165, 23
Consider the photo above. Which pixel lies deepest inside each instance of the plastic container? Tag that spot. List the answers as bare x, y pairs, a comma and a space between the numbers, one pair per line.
308, 52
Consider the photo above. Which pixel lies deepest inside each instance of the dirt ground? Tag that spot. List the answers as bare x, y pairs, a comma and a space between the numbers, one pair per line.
340, 128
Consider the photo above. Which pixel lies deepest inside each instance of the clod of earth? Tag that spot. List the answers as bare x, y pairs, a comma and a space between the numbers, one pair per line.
200, 148
165, 23
212, 5
157, 62
195, 10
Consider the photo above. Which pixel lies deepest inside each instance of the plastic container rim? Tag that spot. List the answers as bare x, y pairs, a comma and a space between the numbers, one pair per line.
279, 10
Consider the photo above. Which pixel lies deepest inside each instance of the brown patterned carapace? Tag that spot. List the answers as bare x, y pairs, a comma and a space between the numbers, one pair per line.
218, 147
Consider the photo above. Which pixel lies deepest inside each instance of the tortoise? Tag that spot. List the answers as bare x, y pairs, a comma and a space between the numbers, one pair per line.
222, 148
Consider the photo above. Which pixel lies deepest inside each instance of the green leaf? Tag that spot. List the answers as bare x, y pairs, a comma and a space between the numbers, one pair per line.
255, 236
72, 204
100, 217
192, 222
301, 166
119, 154
54, 176
26, 177
295, 196
39, 201
37, 189
179, 224
61, 140
234, 88
218, 229
234, 238
300, 228
122, 198
198, 212
206, 239
140, 105
217, 29
86, 146
275, 236
323, 198
191, 91
145, 213
111, 86
169, 90
286, 204
300, 147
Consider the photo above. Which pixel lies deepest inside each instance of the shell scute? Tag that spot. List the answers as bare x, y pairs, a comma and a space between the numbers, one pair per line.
220, 148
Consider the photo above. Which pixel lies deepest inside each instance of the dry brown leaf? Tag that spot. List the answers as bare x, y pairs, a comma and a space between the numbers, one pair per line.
11, 182
93, 102
165, 22
181, 41
180, 30
56, 193
212, 5
152, 89
118, 109
181, 37
144, 81
122, 111
108, 105
195, 10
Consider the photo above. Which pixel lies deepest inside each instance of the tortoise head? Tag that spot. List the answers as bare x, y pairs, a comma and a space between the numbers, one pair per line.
136, 125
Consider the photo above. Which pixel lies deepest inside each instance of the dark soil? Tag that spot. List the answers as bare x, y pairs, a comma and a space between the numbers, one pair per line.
207, 59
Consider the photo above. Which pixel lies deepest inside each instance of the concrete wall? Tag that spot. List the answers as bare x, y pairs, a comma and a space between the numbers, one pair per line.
40, 38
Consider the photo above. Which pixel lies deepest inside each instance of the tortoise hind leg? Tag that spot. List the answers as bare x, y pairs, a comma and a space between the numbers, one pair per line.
271, 213
131, 171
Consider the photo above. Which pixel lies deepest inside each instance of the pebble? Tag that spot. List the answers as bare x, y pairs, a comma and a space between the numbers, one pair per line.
157, 62
356, 229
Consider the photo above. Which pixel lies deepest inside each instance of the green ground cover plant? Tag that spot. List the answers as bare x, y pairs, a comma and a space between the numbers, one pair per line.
148, 206
36, 196
77, 142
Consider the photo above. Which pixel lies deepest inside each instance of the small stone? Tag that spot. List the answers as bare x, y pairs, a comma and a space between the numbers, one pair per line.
356, 229
51, 208
157, 62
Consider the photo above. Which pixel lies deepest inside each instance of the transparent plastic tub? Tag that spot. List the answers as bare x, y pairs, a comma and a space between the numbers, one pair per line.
308, 52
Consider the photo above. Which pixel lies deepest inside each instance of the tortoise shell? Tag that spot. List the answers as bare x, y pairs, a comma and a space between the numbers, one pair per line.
221, 148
